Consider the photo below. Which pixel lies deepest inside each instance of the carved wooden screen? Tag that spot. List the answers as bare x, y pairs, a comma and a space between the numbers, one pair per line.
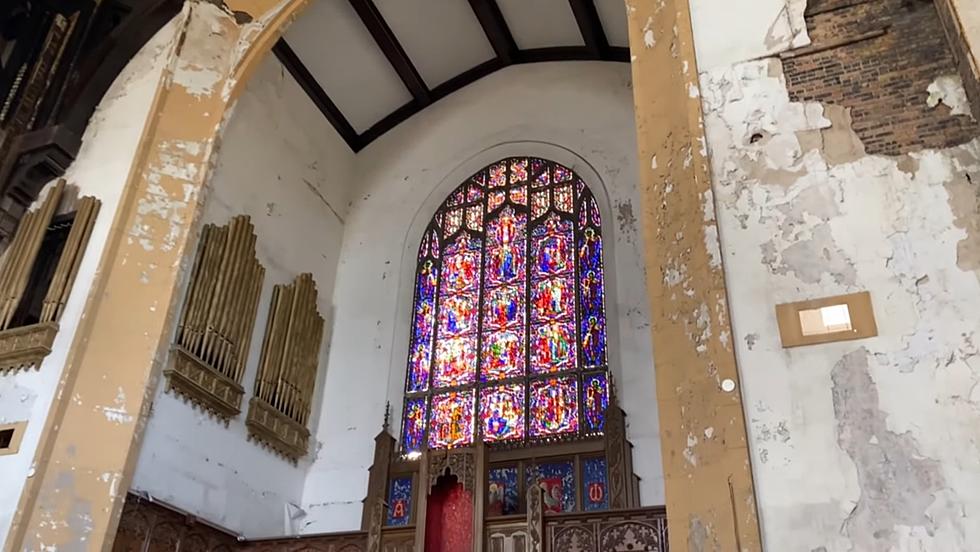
508, 331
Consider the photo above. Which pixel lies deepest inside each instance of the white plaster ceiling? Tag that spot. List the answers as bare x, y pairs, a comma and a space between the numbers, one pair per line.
442, 37
541, 23
339, 52
612, 13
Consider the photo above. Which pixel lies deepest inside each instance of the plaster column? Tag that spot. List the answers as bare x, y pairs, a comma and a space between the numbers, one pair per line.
84, 462
710, 496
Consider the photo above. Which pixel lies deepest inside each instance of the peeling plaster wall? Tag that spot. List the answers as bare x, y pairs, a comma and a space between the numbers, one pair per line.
101, 169
281, 163
866, 445
403, 177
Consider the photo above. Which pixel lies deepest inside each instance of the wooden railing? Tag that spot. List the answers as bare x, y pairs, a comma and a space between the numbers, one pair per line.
643, 529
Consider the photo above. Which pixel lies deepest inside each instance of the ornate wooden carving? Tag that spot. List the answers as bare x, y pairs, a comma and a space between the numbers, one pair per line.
287, 369
618, 459
507, 536
215, 329
150, 526
535, 519
640, 529
460, 463
373, 512
397, 540
26, 346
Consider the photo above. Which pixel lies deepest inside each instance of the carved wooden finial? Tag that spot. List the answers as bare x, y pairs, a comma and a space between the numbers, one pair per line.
387, 416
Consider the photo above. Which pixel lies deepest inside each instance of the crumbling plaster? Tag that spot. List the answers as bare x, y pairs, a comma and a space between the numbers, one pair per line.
856, 445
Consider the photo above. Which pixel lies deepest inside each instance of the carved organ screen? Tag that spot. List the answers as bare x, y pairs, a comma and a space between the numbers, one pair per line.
508, 340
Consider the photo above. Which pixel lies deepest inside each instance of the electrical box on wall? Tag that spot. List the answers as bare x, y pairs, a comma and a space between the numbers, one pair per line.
10, 437
825, 320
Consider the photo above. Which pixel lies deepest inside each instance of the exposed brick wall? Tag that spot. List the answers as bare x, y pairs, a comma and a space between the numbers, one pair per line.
878, 57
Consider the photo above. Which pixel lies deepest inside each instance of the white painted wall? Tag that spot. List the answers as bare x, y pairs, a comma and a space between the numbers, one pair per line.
865, 445
577, 113
101, 169
281, 163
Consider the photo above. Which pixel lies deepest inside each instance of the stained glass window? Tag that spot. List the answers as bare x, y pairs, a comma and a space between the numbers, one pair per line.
557, 480
508, 340
594, 484
502, 491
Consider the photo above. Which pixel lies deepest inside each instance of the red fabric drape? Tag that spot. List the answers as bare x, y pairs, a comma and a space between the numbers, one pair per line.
449, 518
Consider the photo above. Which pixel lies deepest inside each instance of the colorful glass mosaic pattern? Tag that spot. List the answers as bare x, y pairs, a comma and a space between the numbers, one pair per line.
554, 406
508, 339
451, 420
399, 502
502, 491
413, 427
502, 412
557, 480
594, 484
595, 400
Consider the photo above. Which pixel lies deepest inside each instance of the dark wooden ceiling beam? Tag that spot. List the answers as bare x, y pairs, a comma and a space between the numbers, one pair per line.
308, 83
591, 27
495, 27
390, 47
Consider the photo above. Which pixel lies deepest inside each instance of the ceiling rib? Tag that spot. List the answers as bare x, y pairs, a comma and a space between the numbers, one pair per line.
382, 34
496, 29
498, 33
308, 83
590, 26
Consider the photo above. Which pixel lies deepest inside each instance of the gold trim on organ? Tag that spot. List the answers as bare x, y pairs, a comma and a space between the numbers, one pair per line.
215, 329
25, 346
280, 409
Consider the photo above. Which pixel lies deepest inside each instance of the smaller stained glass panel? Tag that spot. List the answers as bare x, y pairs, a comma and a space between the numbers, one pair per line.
399, 502
562, 174
557, 480
518, 194
590, 251
563, 198
455, 362
503, 354
502, 491
542, 180
451, 420
594, 339
498, 175
474, 218
518, 170
495, 199
457, 315
554, 406
454, 219
596, 399
434, 248
539, 203
474, 193
594, 485
413, 427
419, 361
502, 413
424, 248
552, 299
503, 307
553, 347
460, 268
458, 197
552, 247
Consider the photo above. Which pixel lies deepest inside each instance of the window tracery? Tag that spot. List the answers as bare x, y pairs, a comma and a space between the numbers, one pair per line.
508, 340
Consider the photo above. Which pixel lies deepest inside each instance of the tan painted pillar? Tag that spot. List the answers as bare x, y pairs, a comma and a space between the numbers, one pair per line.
88, 450
710, 498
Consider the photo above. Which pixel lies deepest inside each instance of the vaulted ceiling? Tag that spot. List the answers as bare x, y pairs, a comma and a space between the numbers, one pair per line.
371, 64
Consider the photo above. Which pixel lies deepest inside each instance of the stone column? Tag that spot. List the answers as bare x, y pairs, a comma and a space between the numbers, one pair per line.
710, 496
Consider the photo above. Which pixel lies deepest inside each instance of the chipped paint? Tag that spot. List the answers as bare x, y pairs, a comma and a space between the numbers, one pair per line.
804, 212
948, 90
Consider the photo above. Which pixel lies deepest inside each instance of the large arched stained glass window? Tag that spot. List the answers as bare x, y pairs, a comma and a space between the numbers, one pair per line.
508, 336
